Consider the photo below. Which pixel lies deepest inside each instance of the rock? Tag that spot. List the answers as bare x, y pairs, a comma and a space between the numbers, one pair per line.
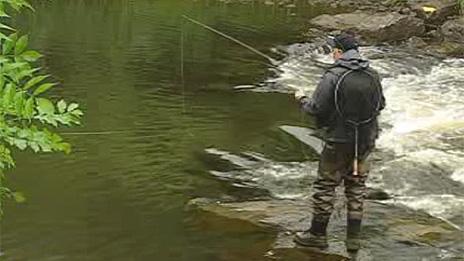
434, 11
388, 232
416, 42
447, 48
405, 11
377, 194
434, 34
453, 30
373, 28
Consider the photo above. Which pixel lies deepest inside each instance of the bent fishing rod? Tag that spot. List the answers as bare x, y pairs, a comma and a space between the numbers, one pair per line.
272, 62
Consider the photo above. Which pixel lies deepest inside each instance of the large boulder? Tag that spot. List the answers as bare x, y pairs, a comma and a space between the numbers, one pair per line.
453, 30
373, 27
434, 11
452, 34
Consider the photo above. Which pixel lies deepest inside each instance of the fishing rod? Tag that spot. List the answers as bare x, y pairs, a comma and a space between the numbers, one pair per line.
272, 62
249, 47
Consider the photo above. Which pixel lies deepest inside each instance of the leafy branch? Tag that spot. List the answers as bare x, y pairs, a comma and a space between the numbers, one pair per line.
27, 117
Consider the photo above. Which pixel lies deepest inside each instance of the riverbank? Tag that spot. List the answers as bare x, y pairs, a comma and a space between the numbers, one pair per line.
434, 27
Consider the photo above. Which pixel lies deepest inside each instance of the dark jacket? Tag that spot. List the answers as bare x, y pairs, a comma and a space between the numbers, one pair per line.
322, 103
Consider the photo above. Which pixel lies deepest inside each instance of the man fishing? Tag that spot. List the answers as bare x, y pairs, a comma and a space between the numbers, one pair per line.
345, 104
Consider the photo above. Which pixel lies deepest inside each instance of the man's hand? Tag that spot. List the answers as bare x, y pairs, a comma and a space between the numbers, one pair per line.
300, 94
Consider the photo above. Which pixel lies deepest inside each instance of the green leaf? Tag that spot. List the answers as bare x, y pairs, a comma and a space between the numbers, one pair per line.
19, 197
29, 108
61, 106
65, 147
14, 66
34, 81
43, 88
15, 5
2, 82
19, 103
77, 113
31, 56
26, 4
21, 45
73, 106
4, 26
4, 59
25, 73
9, 44
13, 37
20, 143
2, 11
8, 95
24, 133
45, 106
3, 36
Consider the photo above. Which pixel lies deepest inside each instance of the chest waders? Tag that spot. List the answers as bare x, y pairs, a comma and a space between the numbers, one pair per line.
356, 123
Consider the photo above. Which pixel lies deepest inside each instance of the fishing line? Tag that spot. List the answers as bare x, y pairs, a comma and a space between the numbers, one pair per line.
98, 132
182, 64
271, 63
182, 77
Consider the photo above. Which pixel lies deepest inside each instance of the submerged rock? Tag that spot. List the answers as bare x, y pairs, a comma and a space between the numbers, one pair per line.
388, 232
373, 27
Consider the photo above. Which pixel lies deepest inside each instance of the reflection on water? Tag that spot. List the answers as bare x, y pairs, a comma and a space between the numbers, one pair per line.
121, 196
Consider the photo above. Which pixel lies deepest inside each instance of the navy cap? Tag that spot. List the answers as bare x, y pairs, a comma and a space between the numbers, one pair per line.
343, 41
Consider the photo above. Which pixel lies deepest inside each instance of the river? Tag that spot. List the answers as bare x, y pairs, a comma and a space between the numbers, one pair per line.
153, 121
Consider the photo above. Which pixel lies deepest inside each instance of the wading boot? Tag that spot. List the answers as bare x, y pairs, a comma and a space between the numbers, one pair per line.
353, 240
316, 235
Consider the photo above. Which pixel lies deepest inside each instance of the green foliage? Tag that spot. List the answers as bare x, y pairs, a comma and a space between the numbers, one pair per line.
461, 5
26, 115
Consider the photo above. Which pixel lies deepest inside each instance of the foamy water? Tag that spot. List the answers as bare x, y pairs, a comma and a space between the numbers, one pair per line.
422, 127
423, 123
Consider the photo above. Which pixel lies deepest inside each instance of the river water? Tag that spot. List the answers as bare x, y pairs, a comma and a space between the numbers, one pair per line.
122, 194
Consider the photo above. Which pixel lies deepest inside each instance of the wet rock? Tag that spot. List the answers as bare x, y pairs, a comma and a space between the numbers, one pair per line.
452, 36
389, 231
434, 11
373, 28
447, 48
377, 194
453, 30
416, 42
